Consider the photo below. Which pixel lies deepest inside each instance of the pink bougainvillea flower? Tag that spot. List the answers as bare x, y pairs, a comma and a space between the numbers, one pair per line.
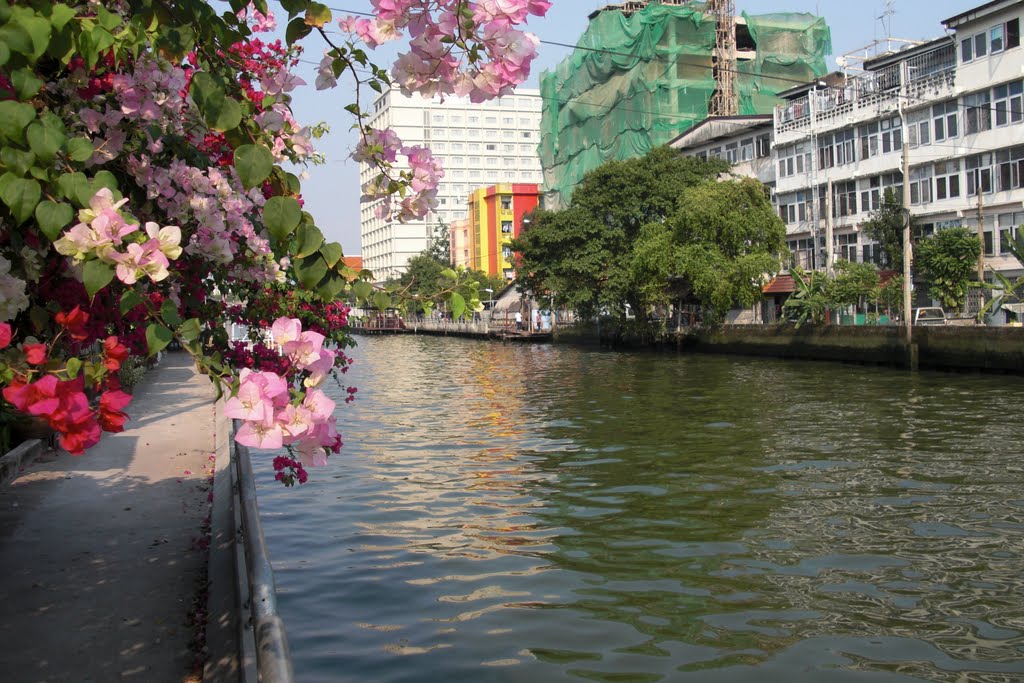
5, 335
35, 354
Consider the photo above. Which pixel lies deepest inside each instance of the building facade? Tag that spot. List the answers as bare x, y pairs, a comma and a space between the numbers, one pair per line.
496, 216
956, 102
478, 145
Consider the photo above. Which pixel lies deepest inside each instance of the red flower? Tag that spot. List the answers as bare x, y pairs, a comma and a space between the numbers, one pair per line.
35, 354
5, 335
38, 398
111, 417
114, 353
74, 322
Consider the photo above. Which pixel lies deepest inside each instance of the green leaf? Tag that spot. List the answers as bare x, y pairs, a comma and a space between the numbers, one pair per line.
5, 53
309, 239
381, 300
293, 7
157, 337
14, 118
449, 273
21, 196
69, 185
331, 286
80, 149
129, 300
190, 329
25, 83
254, 163
361, 289
96, 275
310, 270
297, 30
16, 160
280, 215
317, 15
44, 141
15, 39
220, 111
53, 217
458, 305
332, 253
169, 313
60, 15
38, 30
73, 366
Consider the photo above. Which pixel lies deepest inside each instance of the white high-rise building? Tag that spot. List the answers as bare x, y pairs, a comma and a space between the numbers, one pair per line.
478, 145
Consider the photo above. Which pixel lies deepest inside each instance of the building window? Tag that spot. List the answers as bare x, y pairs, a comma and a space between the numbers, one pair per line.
892, 134
979, 174
980, 45
844, 144
732, 152
995, 37
947, 179
491, 147
762, 146
1011, 167
508, 120
506, 227
871, 194
978, 112
1008, 104
844, 198
944, 120
826, 152
868, 135
846, 247
491, 120
527, 134
506, 202
474, 120
921, 185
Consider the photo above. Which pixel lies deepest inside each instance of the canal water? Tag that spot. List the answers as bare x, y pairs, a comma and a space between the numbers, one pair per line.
547, 513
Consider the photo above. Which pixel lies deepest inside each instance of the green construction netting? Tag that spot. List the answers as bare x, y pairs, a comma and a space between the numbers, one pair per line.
635, 82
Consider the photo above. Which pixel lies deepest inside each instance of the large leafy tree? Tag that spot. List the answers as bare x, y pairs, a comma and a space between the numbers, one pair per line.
584, 252
730, 239
948, 261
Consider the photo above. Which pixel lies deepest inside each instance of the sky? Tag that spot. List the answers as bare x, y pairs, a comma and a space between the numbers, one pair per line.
331, 191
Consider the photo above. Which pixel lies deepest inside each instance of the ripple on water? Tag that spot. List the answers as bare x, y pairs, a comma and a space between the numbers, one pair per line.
500, 515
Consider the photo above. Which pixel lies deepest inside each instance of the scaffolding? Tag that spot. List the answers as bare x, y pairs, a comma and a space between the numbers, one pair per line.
638, 79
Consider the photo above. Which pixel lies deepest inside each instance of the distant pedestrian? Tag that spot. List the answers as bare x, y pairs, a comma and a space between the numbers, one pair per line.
519, 321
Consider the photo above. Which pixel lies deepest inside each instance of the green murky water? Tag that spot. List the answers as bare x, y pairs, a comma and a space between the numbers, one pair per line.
539, 513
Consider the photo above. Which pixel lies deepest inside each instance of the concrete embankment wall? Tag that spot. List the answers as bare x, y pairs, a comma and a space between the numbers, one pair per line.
951, 347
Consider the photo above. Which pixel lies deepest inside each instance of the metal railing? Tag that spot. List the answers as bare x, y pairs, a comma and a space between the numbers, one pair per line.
265, 628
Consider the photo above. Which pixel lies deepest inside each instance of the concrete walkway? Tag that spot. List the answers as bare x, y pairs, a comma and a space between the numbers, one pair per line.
98, 561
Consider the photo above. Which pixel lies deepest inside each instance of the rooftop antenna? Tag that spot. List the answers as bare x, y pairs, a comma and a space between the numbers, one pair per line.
885, 18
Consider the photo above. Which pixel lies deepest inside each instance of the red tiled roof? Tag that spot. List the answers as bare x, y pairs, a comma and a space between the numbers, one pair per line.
781, 284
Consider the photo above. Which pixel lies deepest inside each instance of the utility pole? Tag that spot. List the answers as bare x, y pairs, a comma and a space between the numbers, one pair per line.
907, 256
830, 255
981, 234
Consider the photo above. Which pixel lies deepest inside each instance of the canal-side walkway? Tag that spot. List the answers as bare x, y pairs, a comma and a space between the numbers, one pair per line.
101, 554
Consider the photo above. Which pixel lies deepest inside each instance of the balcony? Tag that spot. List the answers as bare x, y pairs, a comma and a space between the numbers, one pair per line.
919, 79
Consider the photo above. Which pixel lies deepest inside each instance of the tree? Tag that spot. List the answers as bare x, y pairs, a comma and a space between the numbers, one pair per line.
947, 261
1007, 288
583, 252
885, 226
440, 248
730, 241
855, 284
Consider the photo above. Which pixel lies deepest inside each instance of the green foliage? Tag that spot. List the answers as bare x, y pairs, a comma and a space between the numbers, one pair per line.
440, 248
855, 284
731, 241
812, 298
1008, 289
885, 226
947, 260
585, 254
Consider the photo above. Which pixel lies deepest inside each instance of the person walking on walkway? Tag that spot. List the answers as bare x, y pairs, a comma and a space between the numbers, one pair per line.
519, 321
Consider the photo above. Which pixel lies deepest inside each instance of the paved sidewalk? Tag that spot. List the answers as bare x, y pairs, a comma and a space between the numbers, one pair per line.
97, 552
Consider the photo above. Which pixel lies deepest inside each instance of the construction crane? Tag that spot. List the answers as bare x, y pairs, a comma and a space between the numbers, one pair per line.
725, 100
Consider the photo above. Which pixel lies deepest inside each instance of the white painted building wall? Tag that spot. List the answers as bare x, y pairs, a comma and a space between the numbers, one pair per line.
478, 144
919, 94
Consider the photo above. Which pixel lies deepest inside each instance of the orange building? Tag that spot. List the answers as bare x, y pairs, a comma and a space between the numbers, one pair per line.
495, 217
461, 244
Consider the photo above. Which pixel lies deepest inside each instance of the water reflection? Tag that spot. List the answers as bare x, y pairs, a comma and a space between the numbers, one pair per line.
518, 513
